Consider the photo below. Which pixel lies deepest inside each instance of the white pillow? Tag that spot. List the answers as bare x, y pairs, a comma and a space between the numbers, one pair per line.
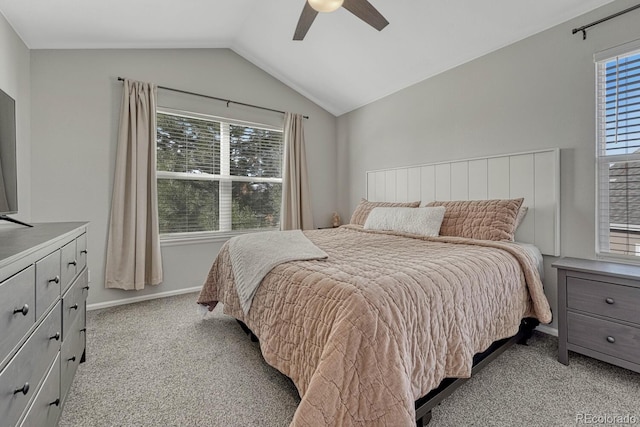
421, 221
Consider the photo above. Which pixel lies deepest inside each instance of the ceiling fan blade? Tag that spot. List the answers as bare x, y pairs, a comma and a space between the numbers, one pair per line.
365, 11
304, 23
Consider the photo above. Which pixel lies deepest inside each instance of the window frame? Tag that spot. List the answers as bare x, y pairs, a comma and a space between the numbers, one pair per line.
602, 160
226, 232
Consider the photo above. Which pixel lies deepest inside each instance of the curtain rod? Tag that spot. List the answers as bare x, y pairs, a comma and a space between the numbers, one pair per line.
584, 27
228, 101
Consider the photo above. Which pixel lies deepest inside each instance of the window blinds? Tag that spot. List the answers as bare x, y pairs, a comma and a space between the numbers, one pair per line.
187, 145
618, 153
217, 175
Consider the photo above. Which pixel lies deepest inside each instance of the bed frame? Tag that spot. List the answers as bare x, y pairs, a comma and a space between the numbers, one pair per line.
425, 404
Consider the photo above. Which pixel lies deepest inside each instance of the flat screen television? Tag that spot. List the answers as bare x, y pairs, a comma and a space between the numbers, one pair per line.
8, 163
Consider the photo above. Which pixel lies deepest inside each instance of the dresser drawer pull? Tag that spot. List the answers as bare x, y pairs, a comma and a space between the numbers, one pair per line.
73, 307
55, 402
83, 330
55, 279
72, 359
84, 251
24, 310
611, 340
609, 300
74, 262
86, 288
55, 337
24, 389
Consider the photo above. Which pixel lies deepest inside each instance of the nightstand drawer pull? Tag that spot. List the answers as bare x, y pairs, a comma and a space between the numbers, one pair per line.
73, 307
74, 263
609, 300
55, 337
611, 340
55, 280
24, 310
72, 359
55, 402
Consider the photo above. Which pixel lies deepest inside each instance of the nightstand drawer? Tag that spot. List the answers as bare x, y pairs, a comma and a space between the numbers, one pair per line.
606, 299
606, 337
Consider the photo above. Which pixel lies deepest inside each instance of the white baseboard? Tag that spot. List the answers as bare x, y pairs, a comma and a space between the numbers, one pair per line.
547, 330
131, 300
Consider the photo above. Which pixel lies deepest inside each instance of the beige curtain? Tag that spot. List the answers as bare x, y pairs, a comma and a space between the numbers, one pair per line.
133, 246
296, 200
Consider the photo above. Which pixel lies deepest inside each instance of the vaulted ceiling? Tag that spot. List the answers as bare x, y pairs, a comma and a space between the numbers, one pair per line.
342, 63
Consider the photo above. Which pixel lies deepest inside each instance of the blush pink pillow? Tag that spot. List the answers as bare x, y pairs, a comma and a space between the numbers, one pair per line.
480, 219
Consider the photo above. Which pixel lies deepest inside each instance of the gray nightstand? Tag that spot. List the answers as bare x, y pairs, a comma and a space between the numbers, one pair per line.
599, 311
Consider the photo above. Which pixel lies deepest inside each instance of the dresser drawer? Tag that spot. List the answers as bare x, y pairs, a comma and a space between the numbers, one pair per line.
25, 371
81, 251
606, 299
73, 301
47, 282
606, 337
46, 408
72, 350
68, 264
16, 293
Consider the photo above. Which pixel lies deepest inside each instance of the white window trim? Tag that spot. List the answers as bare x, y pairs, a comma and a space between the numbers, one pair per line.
599, 58
224, 231
203, 237
182, 113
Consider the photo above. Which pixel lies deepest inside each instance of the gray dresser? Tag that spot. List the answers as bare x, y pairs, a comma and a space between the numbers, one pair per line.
599, 311
44, 282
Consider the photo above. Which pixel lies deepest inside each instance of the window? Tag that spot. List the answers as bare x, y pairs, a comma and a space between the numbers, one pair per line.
217, 174
618, 151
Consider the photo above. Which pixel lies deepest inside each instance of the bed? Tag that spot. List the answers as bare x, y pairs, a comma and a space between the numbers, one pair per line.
370, 332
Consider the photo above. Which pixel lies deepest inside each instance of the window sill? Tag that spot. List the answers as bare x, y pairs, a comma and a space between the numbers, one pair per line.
182, 239
621, 259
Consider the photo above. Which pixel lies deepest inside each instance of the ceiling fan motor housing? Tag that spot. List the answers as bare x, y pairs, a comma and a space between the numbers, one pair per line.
325, 5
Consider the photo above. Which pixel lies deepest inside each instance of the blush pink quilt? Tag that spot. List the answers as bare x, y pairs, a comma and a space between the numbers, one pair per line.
381, 321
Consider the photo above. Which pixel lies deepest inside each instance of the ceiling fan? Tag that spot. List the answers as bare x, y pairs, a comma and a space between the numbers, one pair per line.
361, 8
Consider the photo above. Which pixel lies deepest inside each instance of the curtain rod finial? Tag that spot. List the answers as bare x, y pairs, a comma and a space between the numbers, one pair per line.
583, 30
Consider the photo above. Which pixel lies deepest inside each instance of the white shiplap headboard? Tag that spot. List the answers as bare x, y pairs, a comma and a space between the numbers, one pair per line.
533, 175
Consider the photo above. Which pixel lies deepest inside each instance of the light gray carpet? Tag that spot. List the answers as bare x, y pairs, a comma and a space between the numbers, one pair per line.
158, 363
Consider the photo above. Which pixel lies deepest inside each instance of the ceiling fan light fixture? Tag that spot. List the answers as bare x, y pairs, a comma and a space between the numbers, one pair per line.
325, 5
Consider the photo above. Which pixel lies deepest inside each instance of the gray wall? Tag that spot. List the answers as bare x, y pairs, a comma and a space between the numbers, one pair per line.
75, 112
14, 80
537, 93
